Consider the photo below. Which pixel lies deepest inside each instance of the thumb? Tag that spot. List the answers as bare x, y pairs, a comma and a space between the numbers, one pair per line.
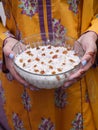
85, 60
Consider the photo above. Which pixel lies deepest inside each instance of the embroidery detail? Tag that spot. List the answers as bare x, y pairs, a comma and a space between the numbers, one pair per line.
29, 7
26, 101
2, 96
46, 124
18, 124
73, 5
59, 31
60, 98
77, 123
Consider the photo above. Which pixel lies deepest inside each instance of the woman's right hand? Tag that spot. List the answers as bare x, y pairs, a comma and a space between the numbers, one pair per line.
9, 55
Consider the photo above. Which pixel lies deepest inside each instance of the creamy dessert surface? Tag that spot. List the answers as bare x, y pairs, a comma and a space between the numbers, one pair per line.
47, 60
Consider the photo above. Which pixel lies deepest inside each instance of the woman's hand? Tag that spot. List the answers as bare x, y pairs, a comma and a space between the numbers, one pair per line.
88, 43
9, 55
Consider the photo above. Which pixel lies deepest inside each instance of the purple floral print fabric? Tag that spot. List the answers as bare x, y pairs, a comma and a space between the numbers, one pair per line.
17, 122
29, 7
46, 124
73, 5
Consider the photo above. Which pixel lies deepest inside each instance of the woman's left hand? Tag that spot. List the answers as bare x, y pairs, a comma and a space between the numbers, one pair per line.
88, 42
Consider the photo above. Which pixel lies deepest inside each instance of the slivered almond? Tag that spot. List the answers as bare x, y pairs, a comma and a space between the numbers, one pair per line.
36, 70
53, 72
65, 52
42, 72
50, 67
59, 69
37, 59
55, 56
20, 60
29, 60
71, 60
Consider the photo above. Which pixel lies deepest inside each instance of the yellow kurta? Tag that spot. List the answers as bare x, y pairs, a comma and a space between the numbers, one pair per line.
74, 108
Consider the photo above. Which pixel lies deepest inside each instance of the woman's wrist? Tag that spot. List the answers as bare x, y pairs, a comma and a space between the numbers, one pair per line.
6, 40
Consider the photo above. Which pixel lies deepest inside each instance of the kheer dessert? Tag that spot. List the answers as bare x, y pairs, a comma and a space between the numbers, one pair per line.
47, 60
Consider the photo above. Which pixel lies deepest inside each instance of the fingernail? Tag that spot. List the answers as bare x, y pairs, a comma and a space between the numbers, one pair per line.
11, 56
84, 62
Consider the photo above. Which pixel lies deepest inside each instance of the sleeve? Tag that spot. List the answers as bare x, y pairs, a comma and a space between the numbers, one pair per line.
3, 32
94, 25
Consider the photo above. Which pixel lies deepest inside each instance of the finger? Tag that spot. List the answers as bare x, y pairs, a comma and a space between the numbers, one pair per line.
86, 64
69, 83
17, 76
77, 74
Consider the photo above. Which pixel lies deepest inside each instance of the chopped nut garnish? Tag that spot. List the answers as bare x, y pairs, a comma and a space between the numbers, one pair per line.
31, 54
43, 54
49, 61
28, 52
65, 52
55, 56
63, 64
59, 69
51, 52
36, 70
53, 72
42, 62
57, 51
71, 60
51, 67
49, 47
37, 59
35, 65
42, 72
29, 60
75, 54
20, 60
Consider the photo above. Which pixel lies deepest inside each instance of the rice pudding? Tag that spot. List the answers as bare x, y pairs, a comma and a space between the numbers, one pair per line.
47, 60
